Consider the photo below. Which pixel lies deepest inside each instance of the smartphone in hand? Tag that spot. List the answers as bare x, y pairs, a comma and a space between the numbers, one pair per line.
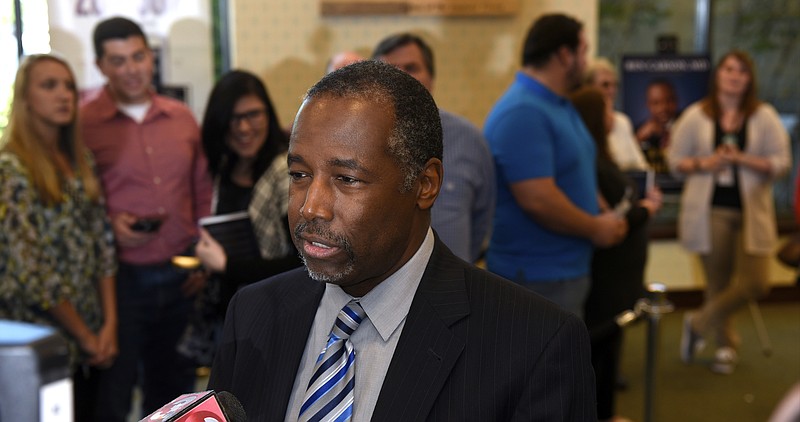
147, 224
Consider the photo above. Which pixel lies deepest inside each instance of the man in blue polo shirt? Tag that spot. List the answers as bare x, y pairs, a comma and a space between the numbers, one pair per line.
547, 218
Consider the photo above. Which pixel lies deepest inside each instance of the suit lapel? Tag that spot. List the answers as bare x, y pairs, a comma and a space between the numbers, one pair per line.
428, 347
299, 307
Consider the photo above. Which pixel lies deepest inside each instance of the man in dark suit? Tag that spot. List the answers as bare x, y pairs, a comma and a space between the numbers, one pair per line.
441, 340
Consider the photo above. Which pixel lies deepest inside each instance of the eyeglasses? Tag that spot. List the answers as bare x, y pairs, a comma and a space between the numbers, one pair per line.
254, 118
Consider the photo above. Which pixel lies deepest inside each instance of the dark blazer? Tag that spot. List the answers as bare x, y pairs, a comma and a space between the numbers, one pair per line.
475, 347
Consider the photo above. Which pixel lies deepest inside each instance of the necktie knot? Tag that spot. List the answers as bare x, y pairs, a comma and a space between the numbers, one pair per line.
349, 319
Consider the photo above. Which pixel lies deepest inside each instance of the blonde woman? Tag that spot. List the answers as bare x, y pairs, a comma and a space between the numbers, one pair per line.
56, 248
622, 142
729, 147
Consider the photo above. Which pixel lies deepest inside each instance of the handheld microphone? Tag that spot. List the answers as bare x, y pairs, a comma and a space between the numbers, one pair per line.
204, 406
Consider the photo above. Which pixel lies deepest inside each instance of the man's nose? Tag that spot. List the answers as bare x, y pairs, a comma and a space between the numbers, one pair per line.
318, 202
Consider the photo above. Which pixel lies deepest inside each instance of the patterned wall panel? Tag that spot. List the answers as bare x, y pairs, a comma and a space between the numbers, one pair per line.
288, 42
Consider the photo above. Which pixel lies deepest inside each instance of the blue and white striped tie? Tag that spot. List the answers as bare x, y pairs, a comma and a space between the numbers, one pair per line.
329, 396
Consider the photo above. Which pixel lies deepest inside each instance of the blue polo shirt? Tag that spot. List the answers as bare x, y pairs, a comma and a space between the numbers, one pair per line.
534, 133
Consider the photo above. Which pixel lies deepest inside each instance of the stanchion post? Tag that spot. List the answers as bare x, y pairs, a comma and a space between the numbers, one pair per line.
653, 306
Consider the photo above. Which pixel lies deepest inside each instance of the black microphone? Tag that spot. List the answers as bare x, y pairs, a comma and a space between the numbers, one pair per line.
204, 406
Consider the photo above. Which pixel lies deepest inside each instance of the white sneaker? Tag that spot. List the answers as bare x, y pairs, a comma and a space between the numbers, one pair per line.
725, 360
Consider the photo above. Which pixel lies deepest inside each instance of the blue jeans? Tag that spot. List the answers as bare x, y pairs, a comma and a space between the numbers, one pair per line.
152, 315
569, 294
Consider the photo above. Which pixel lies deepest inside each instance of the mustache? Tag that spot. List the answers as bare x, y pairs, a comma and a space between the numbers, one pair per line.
312, 227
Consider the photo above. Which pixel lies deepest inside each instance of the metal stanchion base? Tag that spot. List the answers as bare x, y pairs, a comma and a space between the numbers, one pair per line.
761, 329
652, 307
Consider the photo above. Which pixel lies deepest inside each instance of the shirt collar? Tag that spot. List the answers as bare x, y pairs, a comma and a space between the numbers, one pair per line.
105, 108
388, 303
538, 88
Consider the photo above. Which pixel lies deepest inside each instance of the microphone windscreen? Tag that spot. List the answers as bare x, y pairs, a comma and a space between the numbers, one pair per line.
231, 406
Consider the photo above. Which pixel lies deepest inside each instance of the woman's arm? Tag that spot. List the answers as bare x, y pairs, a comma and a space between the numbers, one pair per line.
67, 316
103, 236
754, 162
107, 336
690, 151
772, 158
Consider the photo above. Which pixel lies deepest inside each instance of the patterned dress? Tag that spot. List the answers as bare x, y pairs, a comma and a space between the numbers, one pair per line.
51, 253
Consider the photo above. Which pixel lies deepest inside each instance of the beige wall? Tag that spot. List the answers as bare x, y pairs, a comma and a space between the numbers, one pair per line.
287, 43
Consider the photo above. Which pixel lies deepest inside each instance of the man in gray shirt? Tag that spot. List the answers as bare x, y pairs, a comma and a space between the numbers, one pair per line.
463, 212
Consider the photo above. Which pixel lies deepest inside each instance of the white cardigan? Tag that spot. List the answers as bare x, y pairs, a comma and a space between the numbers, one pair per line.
623, 146
693, 136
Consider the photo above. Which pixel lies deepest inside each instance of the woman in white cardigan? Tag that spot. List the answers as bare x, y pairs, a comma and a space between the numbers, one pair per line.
729, 147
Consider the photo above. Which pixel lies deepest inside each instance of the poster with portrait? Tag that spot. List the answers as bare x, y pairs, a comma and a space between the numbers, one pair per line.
655, 90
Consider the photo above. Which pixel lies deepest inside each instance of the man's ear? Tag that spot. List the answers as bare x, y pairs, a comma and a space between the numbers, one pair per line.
97, 63
565, 56
430, 182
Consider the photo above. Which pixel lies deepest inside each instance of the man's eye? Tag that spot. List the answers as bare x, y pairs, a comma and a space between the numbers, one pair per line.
348, 180
296, 175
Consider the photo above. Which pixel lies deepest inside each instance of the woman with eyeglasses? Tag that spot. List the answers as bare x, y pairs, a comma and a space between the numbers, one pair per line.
729, 147
57, 258
246, 151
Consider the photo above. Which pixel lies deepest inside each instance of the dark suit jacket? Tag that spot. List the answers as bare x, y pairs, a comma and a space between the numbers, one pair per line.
475, 347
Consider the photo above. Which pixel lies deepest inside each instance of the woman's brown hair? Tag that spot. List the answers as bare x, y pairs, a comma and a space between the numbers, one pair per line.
749, 102
591, 105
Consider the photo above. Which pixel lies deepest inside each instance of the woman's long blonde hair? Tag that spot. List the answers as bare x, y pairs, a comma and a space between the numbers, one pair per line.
22, 139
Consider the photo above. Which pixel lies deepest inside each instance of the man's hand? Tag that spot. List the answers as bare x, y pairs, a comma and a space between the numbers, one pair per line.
649, 129
609, 230
127, 237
